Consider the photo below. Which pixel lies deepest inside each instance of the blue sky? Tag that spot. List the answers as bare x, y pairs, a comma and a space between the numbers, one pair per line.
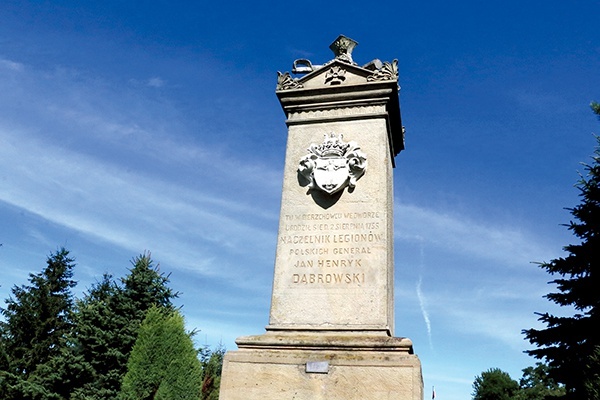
153, 126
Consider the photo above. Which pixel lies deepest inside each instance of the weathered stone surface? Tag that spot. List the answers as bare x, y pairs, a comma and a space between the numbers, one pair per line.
334, 268
327, 340
330, 332
351, 374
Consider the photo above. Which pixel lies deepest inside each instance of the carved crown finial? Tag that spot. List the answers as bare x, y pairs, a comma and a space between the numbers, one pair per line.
332, 146
342, 48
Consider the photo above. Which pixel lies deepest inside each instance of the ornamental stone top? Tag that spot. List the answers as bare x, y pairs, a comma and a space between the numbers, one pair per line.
338, 71
340, 87
342, 48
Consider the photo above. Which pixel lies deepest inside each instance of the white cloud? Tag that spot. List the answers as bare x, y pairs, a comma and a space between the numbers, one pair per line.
156, 82
121, 123
489, 263
542, 102
126, 208
11, 65
128, 169
424, 312
459, 234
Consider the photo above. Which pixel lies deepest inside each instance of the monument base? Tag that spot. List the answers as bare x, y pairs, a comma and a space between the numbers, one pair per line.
332, 366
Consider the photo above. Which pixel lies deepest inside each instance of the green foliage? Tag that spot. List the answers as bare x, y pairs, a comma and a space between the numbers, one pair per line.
107, 322
144, 287
536, 384
61, 374
163, 363
595, 108
38, 320
212, 366
100, 329
570, 344
15, 387
592, 372
55, 348
494, 384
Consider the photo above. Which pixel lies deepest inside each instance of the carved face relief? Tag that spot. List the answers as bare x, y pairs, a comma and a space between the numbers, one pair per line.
333, 164
331, 174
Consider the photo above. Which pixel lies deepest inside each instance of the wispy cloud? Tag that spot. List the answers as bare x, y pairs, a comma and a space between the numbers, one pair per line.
124, 208
156, 82
124, 169
419, 290
487, 253
542, 102
461, 234
125, 125
11, 65
424, 312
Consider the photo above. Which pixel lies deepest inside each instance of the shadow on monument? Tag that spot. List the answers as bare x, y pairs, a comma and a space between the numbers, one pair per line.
322, 199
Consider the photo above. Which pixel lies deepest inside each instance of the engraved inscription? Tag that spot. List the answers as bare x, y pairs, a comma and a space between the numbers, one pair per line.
331, 248
329, 263
329, 278
339, 238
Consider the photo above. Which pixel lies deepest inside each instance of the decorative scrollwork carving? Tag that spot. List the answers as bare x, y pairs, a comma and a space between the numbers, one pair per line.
387, 72
286, 82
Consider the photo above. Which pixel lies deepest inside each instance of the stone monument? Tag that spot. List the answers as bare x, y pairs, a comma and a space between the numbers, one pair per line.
331, 326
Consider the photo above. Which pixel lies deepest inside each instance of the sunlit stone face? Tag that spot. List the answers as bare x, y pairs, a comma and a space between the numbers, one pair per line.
331, 173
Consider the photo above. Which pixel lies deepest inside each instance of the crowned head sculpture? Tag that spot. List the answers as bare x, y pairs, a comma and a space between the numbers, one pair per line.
333, 164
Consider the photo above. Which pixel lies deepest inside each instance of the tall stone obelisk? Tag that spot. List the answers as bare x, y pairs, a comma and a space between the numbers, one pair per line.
330, 332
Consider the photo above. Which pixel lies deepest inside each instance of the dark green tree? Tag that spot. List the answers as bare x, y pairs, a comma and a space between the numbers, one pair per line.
51, 348
107, 322
570, 344
592, 384
146, 286
38, 321
97, 342
595, 108
14, 387
163, 363
495, 384
536, 384
212, 366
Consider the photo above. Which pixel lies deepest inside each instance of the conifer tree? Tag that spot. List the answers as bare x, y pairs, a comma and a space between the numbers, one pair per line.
163, 363
107, 322
144, 287
571, 344
51, 348
595, 108
38, 320
98, 336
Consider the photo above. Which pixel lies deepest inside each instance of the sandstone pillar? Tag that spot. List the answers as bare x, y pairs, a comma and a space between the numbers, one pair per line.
331, 328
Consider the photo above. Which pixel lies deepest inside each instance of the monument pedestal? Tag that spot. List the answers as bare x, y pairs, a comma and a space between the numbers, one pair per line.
313, 366
331, 323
